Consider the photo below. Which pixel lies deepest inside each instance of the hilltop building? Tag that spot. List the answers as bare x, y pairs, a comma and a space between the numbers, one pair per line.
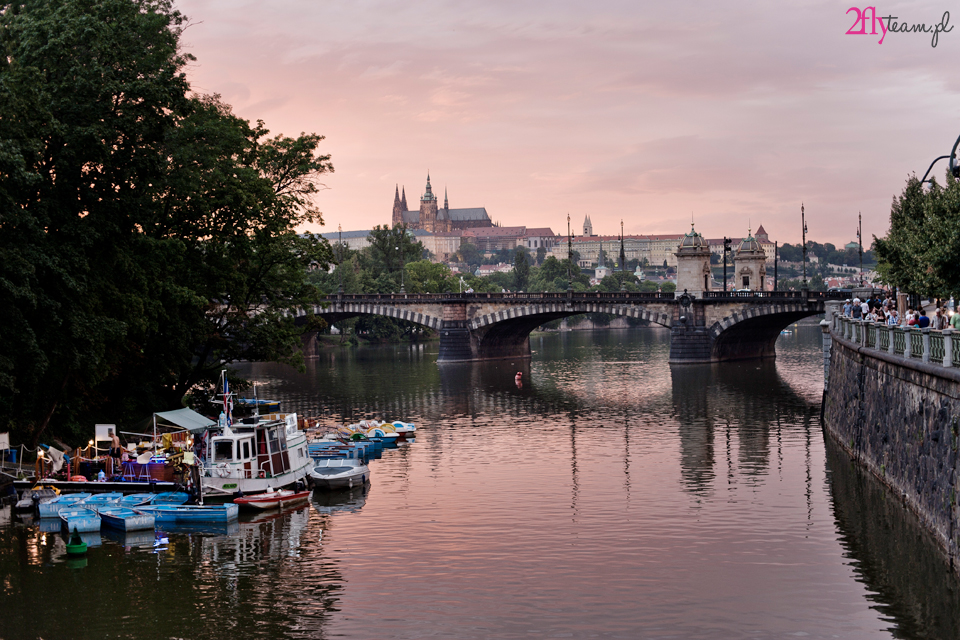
433, 218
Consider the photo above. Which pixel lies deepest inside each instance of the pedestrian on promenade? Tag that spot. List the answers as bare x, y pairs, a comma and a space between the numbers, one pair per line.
856, 311
846, 308
923, 321
955, 321
892, 319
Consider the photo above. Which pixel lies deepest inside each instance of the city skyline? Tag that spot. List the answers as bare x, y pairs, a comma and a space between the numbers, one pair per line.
648, 113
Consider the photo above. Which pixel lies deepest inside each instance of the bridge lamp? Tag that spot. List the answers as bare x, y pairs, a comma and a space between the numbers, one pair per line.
954, 163
402, 269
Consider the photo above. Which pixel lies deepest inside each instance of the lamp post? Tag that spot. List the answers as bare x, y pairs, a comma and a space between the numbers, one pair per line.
860, 243
340, 256
402, 269
776, 249
803, 221
569, 256
726, 250
623, 261
954, 163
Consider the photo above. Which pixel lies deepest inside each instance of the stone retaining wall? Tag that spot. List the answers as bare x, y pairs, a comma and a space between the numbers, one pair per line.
900, 418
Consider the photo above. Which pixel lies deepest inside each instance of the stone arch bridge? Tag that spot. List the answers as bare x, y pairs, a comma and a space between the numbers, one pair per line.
480, 326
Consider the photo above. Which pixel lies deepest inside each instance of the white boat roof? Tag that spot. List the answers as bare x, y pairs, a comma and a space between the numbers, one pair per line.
186, 418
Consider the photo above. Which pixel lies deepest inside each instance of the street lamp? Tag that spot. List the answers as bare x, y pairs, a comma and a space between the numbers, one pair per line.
402, 269
860, 242
623, 261
569, 256
803, 221
954, 164
340, 256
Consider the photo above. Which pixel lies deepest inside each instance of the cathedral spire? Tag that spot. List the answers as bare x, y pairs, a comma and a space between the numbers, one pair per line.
403, 199
446, 204
396, 195
428, 194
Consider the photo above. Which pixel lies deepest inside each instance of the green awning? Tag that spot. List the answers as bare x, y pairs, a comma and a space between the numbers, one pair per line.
186, 418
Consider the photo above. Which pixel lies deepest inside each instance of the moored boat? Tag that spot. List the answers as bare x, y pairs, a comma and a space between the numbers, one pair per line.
273, 499
199, 514
340, 473
250, 454
82, 519
135, 499
33, 497
170, 497
405, 429
126, 519
100, 500
52, 509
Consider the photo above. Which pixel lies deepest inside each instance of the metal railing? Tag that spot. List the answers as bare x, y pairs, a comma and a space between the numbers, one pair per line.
939, 347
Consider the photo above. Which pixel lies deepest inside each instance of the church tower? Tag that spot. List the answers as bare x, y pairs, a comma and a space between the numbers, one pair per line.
398, 207
403, 199
428, 209
587, 226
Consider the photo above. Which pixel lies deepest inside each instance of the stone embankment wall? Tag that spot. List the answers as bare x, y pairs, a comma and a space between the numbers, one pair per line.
899, 417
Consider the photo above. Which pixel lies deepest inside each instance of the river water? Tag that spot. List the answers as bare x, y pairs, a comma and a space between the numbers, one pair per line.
611, 496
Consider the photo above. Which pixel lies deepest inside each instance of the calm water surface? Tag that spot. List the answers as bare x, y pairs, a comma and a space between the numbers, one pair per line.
611, 496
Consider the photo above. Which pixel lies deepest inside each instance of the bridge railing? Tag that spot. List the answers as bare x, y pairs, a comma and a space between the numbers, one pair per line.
508, 296
939, 347
773, 295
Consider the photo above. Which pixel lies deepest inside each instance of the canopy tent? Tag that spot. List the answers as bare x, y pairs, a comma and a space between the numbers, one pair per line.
187, 419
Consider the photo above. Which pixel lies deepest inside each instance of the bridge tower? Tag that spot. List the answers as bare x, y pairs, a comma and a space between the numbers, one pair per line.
693, 264
749, 265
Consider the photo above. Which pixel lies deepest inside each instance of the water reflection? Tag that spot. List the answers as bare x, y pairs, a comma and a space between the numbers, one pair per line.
610, 496
911, 583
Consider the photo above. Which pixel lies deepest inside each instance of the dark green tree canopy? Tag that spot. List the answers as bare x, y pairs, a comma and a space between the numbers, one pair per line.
147, 234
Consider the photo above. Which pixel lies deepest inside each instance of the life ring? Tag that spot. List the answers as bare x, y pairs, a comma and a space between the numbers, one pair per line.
222, 470
262, 474
78, 478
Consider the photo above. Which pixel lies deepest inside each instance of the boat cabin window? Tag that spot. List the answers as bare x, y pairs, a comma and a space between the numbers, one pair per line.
246, 450
222, 450
274, 441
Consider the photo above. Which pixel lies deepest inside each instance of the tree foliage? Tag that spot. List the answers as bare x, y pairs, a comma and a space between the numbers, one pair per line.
147, 234
919, 253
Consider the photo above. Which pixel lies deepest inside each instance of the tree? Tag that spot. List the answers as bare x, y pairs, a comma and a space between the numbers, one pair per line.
521, 269
541, 255
147, 236
919, 252
470, 255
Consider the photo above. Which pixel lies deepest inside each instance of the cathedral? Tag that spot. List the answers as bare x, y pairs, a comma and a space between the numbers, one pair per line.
436, 219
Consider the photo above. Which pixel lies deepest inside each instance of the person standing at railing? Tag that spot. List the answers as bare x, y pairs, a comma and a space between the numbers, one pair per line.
955, 321
856, 311
923, 321
939, 320
892, 319
847, 306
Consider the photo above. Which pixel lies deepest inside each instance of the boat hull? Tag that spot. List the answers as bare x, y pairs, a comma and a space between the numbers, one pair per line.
123, 519
268, 501
80, 520
193, 514
53, 508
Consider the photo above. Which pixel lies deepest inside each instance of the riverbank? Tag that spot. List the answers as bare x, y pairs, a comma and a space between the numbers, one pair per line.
899, 417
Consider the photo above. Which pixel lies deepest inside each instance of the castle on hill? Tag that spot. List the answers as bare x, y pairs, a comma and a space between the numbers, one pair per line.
433, 218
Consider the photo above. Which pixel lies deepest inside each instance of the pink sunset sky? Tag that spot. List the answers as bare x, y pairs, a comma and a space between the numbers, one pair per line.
734, 112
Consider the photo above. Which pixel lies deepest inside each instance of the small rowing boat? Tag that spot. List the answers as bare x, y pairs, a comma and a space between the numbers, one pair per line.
199, 514
80, 519
126, 519
52, 509
273, 499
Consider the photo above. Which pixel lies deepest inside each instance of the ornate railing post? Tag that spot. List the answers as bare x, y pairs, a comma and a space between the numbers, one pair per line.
864, 333
907, 342
948, 347
925, 341
892, 347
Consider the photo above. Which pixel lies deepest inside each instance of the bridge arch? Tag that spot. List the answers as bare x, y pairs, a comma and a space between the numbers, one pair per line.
346, 310
505, 333
753, 332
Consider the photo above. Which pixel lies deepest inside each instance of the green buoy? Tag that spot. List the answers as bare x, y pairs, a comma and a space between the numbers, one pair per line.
76, 546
